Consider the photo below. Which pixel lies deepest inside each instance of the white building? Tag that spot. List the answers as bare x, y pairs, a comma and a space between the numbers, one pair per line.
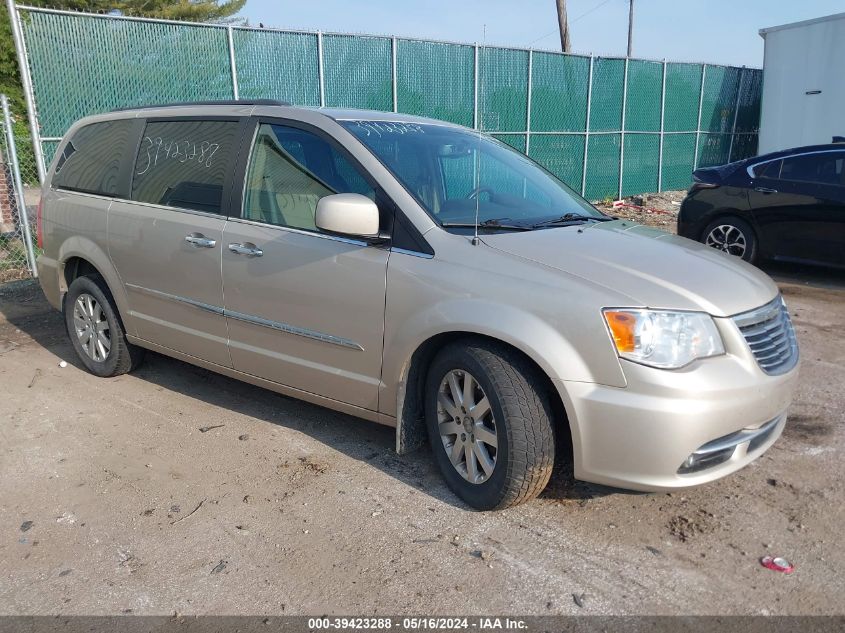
803, 83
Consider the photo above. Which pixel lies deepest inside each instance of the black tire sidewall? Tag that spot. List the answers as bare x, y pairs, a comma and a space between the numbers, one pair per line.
89, 285
750, 254
489, 494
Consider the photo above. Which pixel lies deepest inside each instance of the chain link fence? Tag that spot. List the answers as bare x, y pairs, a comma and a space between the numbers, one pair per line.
17, 250
608, 127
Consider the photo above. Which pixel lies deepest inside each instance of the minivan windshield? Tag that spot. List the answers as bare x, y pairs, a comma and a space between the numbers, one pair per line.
455, 173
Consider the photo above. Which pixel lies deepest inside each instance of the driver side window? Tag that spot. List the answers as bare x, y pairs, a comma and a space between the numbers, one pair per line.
290, 169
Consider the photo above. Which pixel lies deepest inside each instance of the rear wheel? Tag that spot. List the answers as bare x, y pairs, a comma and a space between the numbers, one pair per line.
732, 236
95, 329
490, 424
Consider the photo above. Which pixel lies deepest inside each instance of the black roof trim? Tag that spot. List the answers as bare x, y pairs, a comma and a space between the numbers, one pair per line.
227, 102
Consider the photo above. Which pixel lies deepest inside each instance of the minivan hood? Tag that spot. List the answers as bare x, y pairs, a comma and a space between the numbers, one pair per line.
652, 267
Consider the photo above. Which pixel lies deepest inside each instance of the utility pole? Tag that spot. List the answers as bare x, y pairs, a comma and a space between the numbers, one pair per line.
630, 26
564, 26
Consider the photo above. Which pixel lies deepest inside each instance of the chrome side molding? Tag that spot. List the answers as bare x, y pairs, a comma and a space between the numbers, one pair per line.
207, 307
292, 329
255, 320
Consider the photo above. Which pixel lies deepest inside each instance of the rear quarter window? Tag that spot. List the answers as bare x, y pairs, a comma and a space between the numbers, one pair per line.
185, 164
97, 158
769, 170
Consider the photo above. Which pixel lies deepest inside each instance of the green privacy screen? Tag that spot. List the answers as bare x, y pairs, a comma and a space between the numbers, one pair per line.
604, 126
273, 65
358, 72
86, 64
436, 80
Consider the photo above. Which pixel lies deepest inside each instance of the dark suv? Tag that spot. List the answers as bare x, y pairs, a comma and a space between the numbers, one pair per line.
786, 205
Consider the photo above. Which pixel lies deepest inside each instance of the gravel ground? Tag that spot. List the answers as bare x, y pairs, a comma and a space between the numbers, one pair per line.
177, 490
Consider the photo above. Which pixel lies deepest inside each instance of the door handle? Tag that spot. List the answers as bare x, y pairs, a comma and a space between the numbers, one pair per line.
765, 190
249, 249
198, 240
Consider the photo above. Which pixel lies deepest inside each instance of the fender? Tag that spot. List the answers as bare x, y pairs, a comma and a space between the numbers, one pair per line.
538, 339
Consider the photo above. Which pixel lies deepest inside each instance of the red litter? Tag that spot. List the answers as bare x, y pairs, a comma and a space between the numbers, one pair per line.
777, 564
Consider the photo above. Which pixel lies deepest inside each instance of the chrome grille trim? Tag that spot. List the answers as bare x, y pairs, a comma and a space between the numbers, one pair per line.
770, 336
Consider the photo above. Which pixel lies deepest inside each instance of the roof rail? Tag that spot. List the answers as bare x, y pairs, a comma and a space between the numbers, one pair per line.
229, 102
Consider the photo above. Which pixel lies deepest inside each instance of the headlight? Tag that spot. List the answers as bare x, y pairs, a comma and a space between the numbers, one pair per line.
663, 339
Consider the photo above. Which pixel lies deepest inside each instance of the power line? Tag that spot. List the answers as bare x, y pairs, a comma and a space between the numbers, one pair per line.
583, 15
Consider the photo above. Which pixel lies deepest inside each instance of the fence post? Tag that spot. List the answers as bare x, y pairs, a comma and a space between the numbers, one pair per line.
26, 82
17, 184
393, 56
662, 122
587, 127
528, 104
320, 73
475, 121
234, 68
698, 125
736, 113
622, 135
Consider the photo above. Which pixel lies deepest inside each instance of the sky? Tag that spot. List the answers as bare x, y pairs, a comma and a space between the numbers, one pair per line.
715, 31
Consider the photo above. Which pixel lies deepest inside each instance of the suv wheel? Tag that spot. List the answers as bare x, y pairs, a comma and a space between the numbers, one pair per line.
95, 330
490, 424
733, 236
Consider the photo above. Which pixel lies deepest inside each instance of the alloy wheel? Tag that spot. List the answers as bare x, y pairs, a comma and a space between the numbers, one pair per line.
92, 327
727, 238
467, 427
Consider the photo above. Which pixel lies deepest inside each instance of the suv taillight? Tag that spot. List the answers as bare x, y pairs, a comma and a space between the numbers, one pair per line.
39, 224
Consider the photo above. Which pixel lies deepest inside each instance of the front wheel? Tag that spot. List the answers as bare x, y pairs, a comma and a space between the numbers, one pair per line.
732, 236
490, 424
95, 330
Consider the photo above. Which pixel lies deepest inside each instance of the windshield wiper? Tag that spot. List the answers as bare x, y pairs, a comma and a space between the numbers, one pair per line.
494, 223
571, 217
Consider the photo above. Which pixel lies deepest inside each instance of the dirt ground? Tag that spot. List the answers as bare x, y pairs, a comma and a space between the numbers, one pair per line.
654, 209
176, 490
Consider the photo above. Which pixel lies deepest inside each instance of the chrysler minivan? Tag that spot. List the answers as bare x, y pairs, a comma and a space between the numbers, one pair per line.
421, 275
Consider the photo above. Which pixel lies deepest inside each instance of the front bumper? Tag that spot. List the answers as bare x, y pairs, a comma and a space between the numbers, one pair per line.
639, 437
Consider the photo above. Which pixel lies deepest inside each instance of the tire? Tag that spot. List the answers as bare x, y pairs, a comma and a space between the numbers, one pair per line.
728, 233
90, 295
519, 419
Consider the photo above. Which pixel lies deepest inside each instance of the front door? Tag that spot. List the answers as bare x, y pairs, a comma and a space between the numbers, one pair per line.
166, 242
304, 309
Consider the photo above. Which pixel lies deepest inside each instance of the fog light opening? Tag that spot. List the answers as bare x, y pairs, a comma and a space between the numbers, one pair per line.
701, 461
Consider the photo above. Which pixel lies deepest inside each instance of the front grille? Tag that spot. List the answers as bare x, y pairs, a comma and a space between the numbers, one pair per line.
769, 333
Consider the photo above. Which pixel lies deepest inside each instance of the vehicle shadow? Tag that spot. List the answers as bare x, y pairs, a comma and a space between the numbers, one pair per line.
359, 439
805, 274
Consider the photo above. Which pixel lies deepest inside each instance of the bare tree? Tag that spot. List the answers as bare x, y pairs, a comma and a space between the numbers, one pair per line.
565, 45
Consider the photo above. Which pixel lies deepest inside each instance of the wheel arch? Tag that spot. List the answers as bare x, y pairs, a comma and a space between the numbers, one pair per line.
733, 214
80, 256
410, 422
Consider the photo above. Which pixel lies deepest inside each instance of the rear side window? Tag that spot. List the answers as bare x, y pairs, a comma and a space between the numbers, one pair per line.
824, 168
184, 164
96, 159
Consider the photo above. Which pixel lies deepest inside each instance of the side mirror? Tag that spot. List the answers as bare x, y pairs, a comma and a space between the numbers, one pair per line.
348, 214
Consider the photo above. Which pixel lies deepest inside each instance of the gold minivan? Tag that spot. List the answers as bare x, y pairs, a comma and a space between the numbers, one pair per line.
420, 275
